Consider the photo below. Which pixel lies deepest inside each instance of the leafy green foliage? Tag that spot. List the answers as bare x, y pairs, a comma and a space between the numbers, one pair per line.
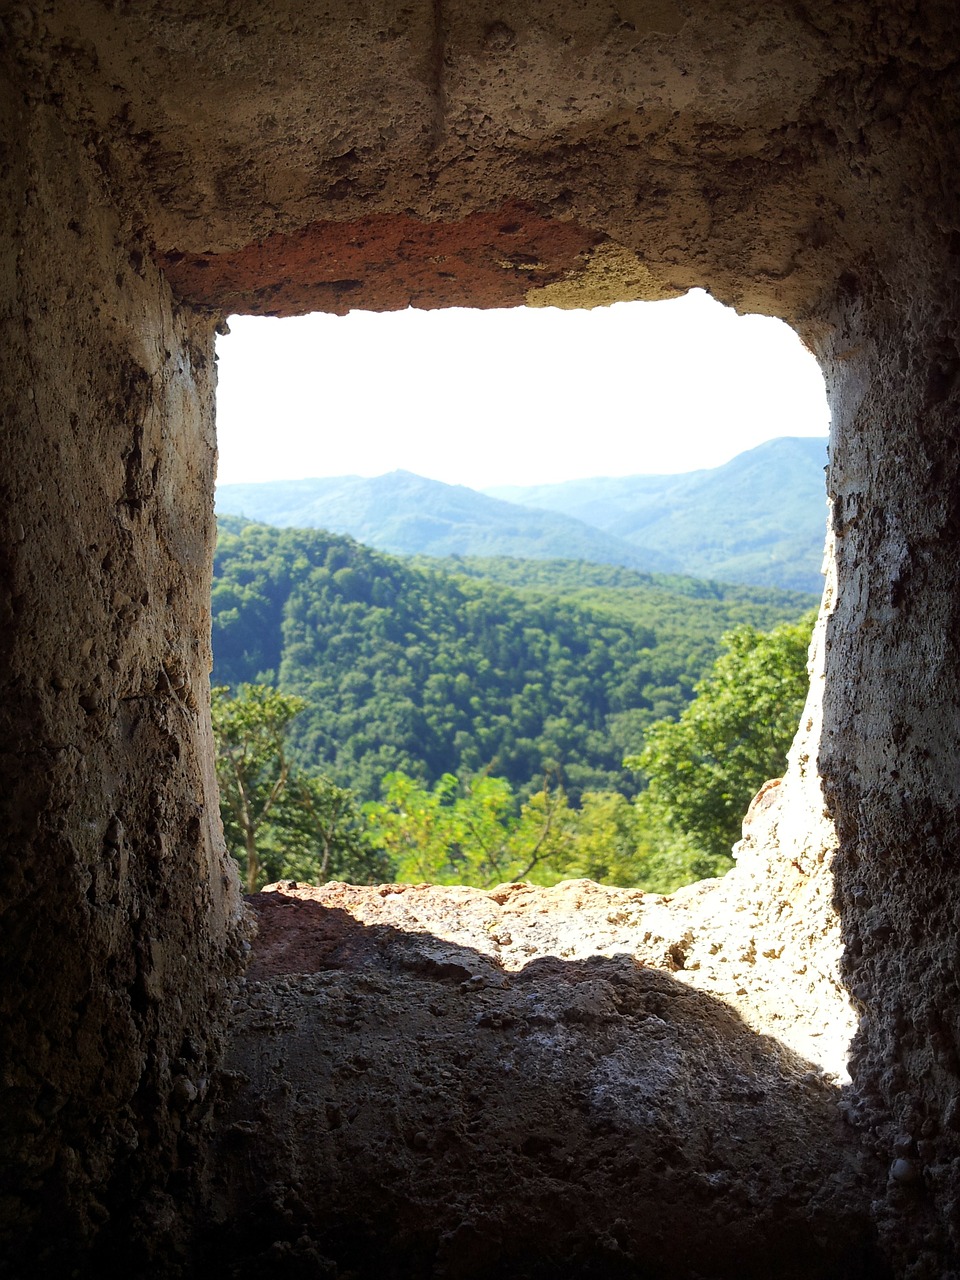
499, 698
604, 843
471, 834
557, 667
320, 834
475, 833
704, 768
757, 519
615, 587
702, 771
278, 822
252, 764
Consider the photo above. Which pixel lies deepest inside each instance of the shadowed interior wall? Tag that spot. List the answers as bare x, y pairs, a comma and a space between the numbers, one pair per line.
120, 907
164, 162
891, 742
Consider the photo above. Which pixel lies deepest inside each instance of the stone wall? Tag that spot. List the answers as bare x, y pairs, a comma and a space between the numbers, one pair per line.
891, 740
162, 162
119, 906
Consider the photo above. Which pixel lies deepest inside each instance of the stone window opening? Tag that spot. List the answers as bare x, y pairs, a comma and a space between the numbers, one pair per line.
702, 956
172, 165
722, 352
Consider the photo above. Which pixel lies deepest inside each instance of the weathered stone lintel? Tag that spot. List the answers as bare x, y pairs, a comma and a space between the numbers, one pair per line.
386, 262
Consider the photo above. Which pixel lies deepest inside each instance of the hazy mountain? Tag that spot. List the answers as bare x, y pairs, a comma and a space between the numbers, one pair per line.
410, 515
760, 518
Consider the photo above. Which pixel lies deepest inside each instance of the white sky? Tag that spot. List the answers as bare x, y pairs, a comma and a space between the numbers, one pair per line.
510, 397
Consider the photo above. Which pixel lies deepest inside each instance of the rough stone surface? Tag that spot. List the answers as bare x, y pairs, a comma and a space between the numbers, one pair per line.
797, 160
389, 262
724, 146
526, 1082
119, 911
891, 739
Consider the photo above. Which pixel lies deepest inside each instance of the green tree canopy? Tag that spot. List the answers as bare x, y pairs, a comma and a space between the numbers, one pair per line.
320, 834
280, 822
508, 667
252, 765
704, 768
471, 833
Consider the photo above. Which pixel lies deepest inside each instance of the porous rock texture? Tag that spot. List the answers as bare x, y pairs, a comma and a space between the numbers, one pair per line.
164, 162
525, 1082
120, 913
550, 1082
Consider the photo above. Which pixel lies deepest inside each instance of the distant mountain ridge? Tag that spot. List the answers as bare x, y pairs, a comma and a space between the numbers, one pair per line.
407, 514
758, 519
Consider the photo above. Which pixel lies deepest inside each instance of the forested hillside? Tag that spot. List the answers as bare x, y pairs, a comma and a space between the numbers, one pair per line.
759, 519
500, 666
625, 591
408, 514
